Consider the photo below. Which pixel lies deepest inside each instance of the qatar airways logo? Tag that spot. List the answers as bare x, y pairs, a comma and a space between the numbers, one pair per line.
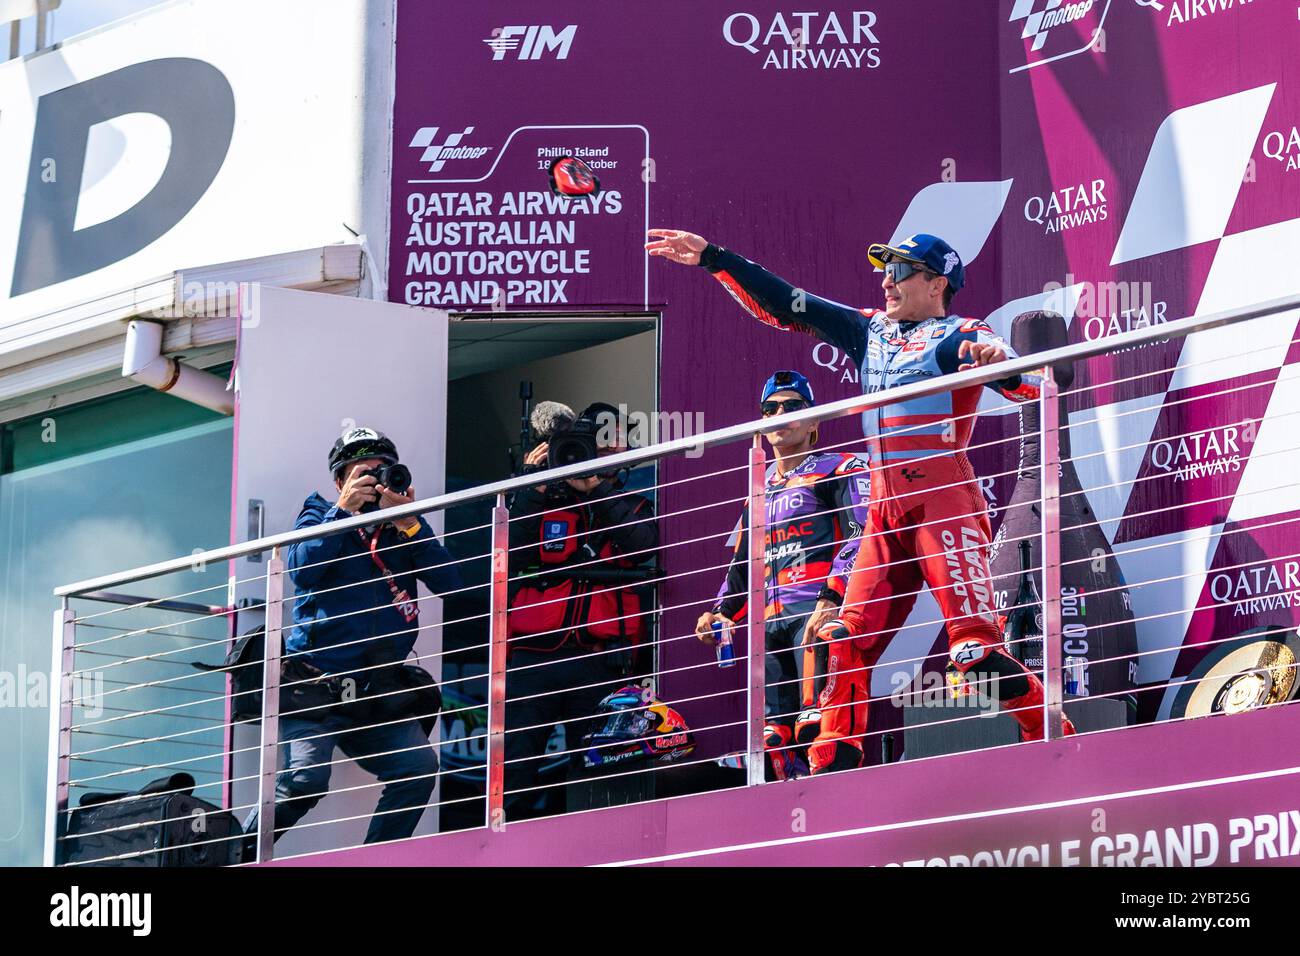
1067, 208
1185, 11
1264, 587
1216, 451
1284, 148
1052, 27
807, 40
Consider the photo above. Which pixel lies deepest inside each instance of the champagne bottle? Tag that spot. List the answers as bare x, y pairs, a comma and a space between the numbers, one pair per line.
1097, 628
1024, 629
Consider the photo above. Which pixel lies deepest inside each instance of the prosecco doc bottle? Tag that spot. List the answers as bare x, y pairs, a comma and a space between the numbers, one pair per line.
1024, 629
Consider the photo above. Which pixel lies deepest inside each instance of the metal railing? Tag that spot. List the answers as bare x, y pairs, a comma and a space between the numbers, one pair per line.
15, 11
160, 716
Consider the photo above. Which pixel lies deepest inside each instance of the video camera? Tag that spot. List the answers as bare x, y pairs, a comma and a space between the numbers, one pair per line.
573, 444
570, 438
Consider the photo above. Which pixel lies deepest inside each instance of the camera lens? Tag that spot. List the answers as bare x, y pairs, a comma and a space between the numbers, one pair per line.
574, 444
570, 450
396, 478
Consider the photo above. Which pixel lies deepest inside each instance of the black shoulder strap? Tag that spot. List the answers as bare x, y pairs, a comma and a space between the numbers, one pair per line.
177, 783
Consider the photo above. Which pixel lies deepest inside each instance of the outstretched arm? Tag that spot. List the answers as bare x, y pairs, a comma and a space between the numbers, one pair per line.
767, 297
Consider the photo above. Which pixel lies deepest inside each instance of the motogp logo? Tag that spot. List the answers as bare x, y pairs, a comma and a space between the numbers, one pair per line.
1042, 17
437, 154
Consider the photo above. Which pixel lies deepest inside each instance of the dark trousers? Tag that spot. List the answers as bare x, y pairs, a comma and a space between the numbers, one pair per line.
783, 697
543, 689
307, 747
784, 668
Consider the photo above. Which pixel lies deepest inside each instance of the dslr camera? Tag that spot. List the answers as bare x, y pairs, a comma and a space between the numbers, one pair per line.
395, 477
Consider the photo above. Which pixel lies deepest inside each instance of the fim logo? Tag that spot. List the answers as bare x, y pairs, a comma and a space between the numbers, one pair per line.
437, 154
531, 42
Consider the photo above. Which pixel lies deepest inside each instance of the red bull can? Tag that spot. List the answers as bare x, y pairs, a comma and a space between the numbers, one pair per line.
724, 646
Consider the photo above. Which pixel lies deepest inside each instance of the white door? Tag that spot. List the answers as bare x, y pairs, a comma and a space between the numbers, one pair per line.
310, 365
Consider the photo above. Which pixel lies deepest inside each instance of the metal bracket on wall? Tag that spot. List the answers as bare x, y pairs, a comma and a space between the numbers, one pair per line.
256, 524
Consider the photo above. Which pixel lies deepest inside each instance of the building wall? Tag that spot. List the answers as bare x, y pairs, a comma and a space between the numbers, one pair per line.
303, 91
212, 142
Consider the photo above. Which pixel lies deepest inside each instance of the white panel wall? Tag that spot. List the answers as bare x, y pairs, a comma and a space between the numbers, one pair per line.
309, 153
308, 363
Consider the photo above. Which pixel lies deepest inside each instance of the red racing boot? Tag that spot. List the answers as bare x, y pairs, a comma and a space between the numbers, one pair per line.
842, 702
999, 676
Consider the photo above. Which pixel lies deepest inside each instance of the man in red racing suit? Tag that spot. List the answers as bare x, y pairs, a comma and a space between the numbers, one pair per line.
927, 521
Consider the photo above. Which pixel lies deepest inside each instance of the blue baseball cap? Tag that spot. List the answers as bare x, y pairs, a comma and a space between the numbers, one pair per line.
788, 381
927, 250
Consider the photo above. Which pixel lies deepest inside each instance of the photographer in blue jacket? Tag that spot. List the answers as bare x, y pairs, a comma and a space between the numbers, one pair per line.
356, 610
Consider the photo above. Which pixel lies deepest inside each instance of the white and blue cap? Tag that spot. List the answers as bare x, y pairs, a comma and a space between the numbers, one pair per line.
788, 381
923, 249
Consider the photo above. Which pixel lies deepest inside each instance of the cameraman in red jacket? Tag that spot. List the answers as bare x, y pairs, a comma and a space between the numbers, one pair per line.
579, 603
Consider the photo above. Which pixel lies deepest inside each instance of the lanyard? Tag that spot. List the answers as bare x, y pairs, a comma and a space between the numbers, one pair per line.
401, 600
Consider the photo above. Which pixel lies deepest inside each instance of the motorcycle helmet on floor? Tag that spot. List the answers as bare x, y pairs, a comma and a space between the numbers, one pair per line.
637, 726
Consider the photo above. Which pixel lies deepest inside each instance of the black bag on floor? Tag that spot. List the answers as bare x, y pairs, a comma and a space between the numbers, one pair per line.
162, 824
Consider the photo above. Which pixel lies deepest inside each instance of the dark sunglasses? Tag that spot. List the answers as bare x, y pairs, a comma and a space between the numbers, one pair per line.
789, 405
898, 270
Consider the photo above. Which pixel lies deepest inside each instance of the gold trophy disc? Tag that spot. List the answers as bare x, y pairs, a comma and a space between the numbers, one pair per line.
1258, 669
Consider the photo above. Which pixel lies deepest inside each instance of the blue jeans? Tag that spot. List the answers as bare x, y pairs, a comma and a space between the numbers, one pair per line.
408, 775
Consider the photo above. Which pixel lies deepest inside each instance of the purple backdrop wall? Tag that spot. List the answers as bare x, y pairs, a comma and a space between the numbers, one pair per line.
1161, 156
